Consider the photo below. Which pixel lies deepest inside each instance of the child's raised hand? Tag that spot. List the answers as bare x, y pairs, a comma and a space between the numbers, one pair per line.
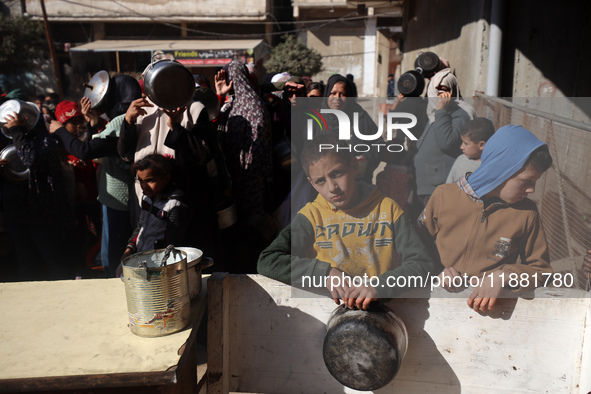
485, 296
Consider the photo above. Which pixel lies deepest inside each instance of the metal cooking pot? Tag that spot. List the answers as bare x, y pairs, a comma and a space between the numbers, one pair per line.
362, 349
428, 62
24, 109
411, 84
227, 213
168, 83
15, 170
195, 264
157, 291
97, 88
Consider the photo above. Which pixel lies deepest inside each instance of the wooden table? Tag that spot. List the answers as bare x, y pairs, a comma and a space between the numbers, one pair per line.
72, 335
267, 337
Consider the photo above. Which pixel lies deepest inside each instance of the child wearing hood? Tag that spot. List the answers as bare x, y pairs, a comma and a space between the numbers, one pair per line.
349, 231
482, 223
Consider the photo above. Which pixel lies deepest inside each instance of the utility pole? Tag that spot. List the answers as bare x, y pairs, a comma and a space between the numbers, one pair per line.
56, 70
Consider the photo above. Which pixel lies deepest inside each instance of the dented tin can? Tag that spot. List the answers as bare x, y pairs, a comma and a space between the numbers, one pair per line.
157, 292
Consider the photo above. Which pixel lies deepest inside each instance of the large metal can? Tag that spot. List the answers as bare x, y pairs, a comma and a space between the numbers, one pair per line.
157, 292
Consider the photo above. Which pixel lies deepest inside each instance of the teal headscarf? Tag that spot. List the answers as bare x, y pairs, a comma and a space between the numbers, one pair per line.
504, 154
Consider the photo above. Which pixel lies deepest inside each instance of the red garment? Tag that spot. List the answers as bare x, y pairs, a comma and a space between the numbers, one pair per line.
85, 178
395, 183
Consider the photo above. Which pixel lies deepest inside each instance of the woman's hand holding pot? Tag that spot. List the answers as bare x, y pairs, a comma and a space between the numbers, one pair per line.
90, 115
136, 109
174, 116
14, 120
444, 99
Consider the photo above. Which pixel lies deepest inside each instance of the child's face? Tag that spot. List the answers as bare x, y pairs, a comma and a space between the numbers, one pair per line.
75, 126
152, 184
516, 188
471, 149
334, 179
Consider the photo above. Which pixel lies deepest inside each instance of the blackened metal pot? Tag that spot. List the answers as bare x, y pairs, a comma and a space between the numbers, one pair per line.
363, 349
411, 84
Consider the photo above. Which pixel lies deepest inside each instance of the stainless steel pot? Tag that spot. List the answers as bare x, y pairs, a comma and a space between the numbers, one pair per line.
169, 84
362, 349
196, 263
227, 214
15, 170
97, 88
24, 109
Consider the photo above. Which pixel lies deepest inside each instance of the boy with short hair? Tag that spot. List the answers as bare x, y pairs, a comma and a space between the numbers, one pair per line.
474, 135
351, 229
482, 223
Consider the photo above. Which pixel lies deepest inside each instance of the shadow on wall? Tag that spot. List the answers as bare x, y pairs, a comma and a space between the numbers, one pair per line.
423, 369
276, 340
554, 37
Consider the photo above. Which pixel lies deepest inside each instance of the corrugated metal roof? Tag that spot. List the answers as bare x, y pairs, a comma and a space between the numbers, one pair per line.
154, 45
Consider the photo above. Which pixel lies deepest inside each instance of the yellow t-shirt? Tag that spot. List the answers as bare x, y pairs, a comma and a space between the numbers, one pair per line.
357, 241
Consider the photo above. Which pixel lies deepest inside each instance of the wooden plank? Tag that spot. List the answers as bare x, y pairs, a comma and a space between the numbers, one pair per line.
218, 298
74, 335
585, 372
525, 346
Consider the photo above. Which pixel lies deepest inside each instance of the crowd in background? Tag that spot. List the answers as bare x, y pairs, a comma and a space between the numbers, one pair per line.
128, 176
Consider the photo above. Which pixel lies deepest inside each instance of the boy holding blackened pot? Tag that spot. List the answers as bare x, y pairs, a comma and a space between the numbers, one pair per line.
350, 231
482, 223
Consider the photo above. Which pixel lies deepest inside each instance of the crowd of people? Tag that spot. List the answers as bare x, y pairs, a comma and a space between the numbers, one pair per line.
128, 176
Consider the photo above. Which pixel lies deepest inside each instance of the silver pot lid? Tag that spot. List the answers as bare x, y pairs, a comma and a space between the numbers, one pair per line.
15, 170
97, 88
24, 109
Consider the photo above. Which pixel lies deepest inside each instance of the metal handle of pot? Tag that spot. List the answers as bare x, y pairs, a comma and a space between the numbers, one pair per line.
159, 54
205, 262
166, 255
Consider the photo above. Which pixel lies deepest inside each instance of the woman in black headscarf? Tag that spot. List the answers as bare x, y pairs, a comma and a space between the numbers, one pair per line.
340, 95
37, 211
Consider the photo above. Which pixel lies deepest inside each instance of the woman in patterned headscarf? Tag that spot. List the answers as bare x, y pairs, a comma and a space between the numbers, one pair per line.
245, 137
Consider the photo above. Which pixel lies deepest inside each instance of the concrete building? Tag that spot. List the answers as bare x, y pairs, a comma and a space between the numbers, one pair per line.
121, 36
521, 49
354, 37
